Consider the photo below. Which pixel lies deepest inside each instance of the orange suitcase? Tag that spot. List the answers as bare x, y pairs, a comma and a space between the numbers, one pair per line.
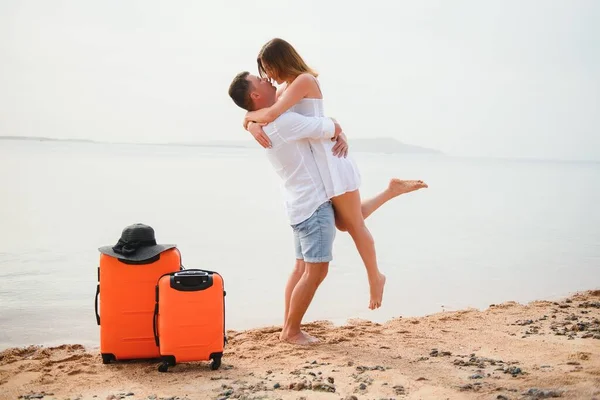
126, 289
189, 317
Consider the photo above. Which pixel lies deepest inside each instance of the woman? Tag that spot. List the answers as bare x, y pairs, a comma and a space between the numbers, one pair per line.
300, 92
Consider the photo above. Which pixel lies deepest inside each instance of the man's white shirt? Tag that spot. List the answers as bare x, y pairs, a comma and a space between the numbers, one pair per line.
292, 159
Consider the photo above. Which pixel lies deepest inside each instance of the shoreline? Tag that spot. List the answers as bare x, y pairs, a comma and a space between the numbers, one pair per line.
542, 349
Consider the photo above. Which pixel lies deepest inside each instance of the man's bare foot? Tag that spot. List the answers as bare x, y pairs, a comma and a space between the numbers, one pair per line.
301, 338
376, 289
401, 186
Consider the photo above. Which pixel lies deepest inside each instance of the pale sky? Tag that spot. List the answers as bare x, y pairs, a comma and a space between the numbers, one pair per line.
473, 78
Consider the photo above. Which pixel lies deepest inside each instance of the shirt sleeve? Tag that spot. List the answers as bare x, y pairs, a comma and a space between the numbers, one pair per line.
293, 126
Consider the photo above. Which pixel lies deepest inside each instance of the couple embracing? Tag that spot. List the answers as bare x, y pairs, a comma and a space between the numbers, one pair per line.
321, 182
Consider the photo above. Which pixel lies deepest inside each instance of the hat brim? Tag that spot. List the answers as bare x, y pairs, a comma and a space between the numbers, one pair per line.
141, 254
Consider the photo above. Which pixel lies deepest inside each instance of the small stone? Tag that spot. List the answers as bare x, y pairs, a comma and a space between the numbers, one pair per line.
352, 397
362, 386
323, 387
399, 389
350, 363
514, 371
542, 394
422, 379
276, 386
501, 397
476, 376
330, 379
524, 322
314, 362
228, 392
269, 372
129, 394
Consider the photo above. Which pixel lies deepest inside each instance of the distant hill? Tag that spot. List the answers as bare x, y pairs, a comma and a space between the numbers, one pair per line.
45, 139
387, 145
375, 145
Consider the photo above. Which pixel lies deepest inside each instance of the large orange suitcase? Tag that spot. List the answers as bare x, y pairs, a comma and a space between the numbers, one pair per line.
126, 290
189, 317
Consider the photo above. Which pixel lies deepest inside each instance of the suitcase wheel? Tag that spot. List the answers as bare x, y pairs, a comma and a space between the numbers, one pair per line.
164, 367
107, 358
216, 363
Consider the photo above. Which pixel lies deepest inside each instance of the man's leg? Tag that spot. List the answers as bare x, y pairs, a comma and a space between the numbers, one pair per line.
293, 279
315, 242
301, 298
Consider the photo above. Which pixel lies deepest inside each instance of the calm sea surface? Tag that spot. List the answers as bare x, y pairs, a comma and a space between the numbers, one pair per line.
486, 231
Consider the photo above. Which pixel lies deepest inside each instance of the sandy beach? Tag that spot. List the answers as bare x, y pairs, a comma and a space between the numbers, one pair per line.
544, 349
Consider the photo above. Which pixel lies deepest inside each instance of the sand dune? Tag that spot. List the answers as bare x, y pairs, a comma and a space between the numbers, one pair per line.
508, 351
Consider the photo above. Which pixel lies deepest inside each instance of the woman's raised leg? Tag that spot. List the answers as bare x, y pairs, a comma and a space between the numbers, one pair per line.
395, 188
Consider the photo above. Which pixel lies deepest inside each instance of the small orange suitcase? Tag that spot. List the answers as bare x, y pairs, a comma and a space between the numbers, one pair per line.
127, 304
189, 317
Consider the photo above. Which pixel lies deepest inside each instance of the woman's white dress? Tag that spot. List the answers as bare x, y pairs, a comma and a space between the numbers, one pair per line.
339, 175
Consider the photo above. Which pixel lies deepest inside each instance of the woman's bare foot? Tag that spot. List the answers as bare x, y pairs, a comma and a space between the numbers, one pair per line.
301, 338
401, 186
376, 289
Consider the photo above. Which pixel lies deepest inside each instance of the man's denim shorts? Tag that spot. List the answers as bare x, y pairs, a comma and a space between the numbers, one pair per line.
313, 238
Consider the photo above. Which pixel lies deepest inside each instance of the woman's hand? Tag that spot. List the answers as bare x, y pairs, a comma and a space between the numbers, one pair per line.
259, 135
247, 120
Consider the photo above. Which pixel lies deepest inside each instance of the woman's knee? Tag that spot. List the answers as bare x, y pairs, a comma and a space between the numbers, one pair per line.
355, 225
340, 226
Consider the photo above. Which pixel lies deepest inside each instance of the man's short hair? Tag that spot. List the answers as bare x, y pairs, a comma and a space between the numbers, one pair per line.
239, 91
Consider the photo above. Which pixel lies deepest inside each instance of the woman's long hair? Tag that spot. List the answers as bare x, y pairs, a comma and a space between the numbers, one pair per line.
282, 61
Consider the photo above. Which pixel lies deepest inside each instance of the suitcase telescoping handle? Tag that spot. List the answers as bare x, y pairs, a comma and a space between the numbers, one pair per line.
191, 280
96, 304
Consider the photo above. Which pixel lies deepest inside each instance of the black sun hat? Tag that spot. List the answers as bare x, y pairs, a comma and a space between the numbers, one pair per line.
137, 243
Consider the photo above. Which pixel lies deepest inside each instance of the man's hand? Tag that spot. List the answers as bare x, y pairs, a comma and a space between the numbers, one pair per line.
338, 129
340, 149
257, 131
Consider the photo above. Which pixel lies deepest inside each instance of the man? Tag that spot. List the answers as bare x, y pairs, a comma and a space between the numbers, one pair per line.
308, 208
